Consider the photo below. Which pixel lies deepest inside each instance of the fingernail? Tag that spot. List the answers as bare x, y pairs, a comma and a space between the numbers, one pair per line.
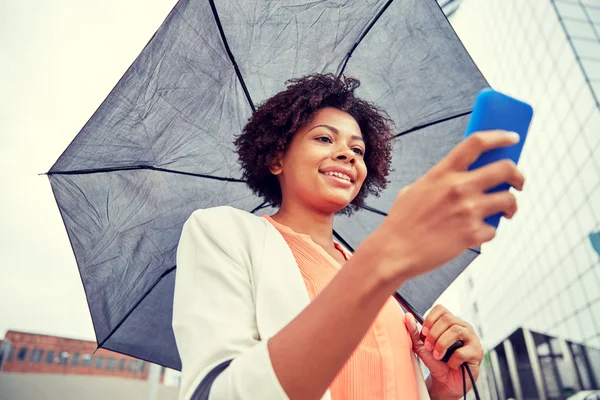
424, 331
514, 136
437, 355
428, 346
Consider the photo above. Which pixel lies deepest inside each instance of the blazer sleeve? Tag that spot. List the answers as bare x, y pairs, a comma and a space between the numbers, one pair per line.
222, 355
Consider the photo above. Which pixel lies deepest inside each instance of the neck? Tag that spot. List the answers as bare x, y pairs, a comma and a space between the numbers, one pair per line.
307, 221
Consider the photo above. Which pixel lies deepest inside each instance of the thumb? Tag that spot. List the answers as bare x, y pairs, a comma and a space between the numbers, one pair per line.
417, 342
413, 330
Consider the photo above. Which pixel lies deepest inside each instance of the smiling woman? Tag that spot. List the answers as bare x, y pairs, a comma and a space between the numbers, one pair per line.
273, 308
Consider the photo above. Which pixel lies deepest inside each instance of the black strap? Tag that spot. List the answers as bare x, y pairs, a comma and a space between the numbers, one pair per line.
464, 373
203, 389
464, 367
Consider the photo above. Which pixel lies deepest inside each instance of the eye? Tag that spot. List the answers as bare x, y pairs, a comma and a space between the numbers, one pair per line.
358, 151
324, 139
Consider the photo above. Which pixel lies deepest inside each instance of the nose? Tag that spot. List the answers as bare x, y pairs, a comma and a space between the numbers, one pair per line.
347, 155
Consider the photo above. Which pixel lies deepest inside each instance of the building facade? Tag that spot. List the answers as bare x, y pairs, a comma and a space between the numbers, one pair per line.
24, 352
541, 274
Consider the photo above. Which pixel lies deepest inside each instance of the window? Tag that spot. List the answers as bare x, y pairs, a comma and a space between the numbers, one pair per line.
75, 359
36, 355
111, 363
122, 364
143, 366
50, 357
86, 360
63, 358
22, 354
132, 365
595, 240
11, 353
99, 362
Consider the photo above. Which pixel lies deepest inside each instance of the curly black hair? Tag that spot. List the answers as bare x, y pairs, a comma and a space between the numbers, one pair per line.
270, 130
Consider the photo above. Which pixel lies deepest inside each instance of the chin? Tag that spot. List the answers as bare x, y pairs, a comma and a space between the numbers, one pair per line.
333, 205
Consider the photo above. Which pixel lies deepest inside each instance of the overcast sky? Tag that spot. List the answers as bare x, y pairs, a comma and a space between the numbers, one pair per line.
60, 59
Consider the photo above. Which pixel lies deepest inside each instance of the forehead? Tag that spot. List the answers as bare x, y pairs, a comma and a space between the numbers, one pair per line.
338, 119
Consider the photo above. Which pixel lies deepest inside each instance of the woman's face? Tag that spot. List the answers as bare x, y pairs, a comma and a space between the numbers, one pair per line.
324, 166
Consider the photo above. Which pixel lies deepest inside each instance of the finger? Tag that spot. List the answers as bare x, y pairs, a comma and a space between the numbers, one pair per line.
492, 175
467, 354
500, 202
483, 234
438, 312
448, 338
469, 150
435, 313
444, 323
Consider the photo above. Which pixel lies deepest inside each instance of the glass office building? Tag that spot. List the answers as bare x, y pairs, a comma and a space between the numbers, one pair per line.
534, 293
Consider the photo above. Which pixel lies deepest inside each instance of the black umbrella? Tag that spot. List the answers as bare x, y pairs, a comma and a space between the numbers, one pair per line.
161, 144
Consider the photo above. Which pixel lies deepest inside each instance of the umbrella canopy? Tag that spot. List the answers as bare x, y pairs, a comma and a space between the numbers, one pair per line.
161, 144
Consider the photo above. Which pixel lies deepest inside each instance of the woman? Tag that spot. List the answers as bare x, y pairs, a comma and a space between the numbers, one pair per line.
273, 308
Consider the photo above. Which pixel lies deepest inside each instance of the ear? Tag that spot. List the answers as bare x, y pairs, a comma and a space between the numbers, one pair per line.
276, 166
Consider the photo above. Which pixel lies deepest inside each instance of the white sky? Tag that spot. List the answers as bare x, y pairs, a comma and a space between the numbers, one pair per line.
59, 60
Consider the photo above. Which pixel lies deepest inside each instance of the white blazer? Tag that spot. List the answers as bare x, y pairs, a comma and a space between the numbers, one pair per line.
237, 285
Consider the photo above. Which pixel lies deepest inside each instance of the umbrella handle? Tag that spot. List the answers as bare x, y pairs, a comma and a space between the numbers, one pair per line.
456, 345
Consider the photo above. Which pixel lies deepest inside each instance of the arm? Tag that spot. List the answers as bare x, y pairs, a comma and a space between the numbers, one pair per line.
214, 322
308, 353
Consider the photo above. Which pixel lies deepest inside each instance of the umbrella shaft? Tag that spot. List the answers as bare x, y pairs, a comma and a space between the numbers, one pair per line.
406, 305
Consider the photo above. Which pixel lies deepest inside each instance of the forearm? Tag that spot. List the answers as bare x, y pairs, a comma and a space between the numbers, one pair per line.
310, 351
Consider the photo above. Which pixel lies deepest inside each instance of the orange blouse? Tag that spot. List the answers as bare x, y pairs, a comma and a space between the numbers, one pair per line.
381, 366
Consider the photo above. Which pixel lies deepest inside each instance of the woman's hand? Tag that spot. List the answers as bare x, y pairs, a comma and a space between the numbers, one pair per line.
441, 329
442, 214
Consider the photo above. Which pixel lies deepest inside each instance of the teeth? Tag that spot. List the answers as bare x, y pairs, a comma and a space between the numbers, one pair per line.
338, 175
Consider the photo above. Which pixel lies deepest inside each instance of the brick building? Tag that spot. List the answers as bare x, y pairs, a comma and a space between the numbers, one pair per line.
32, 353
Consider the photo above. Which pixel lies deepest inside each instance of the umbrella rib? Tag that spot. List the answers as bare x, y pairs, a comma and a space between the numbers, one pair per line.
259, 207
374, 210
400, 299
447, 3
140, 167
438, 121
230, 54
167, 272
379, 212
362, 36
343, 241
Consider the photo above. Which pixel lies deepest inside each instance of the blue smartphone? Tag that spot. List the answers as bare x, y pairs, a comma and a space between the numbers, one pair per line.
494, 110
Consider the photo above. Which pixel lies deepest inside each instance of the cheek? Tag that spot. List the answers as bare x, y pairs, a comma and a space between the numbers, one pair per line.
362, 171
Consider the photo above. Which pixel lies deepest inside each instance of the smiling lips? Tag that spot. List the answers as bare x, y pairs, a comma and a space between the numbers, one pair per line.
339, 177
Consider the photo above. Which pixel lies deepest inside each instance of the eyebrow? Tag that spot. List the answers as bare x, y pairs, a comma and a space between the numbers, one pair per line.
336, 131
